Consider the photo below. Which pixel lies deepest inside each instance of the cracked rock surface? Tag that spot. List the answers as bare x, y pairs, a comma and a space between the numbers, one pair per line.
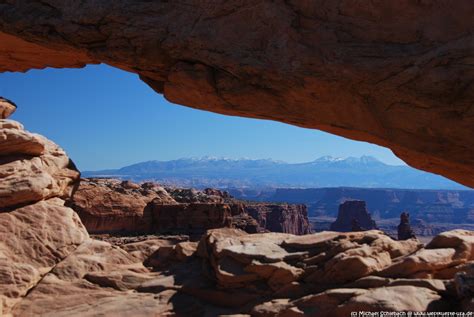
398, 74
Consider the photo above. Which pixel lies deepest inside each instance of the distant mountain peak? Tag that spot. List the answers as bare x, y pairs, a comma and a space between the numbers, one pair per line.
328, 158
326, 171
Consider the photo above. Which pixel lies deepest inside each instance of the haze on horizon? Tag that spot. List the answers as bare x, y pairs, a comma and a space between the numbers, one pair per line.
106, 118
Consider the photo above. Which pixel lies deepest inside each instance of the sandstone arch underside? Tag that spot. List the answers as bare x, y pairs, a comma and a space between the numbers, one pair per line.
396, 73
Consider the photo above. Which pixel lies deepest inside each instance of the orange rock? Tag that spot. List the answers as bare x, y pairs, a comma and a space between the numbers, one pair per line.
333, 66
32, 168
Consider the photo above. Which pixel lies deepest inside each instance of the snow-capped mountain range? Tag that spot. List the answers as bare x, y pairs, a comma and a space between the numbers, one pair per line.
326, 171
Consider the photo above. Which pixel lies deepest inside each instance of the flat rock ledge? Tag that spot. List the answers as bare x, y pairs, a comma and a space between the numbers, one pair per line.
231, 272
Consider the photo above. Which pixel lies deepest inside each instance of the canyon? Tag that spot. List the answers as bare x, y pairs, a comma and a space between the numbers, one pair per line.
52, 266
448, 206
350, 68
114, 206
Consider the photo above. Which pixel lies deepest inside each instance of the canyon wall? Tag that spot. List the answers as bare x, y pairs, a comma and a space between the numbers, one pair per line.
398, 74
429, 205
114, 206
281, 217
353, 216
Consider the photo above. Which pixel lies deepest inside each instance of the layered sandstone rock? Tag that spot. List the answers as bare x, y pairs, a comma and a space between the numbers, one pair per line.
114, 206
353, 216
280, 217
355, 69
232, 272
193, 218
108, 205
32, 168
36, 230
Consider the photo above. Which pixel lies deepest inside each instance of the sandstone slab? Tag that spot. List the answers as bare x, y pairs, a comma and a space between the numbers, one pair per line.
34, 239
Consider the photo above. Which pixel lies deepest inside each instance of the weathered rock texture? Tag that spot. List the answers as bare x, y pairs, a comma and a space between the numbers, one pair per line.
111, 206
353, 216
269, 274
280, 217
32, 168
398, 74
108, 205
36, 231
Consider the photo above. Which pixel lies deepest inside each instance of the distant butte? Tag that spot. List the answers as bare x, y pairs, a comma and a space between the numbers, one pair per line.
395, 73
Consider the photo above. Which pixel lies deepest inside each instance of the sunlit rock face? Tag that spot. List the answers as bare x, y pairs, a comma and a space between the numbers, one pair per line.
401, 80
32, 168
114, 206
36, 230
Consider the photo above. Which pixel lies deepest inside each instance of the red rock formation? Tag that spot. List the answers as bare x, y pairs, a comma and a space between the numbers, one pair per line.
354, 69
108, 205
32, 168
353, 213
193, 218
36, 230
281, 217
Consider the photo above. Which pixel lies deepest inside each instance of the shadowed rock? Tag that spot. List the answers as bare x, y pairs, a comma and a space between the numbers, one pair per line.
405, 231
353, 216
6, 108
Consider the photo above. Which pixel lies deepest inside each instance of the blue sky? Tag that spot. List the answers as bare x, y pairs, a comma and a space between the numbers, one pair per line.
107, 118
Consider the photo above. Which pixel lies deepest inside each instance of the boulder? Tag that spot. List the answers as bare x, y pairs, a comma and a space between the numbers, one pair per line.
34, 239
32, 168
320, 260
340, 302
444, 256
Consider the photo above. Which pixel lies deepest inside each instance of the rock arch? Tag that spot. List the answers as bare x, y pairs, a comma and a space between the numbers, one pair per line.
398, 74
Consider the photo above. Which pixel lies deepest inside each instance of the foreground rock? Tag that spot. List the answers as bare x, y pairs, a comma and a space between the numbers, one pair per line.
37, 231
34, 240
32, 168
267, 274
328, 65
353, 216
113, 206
